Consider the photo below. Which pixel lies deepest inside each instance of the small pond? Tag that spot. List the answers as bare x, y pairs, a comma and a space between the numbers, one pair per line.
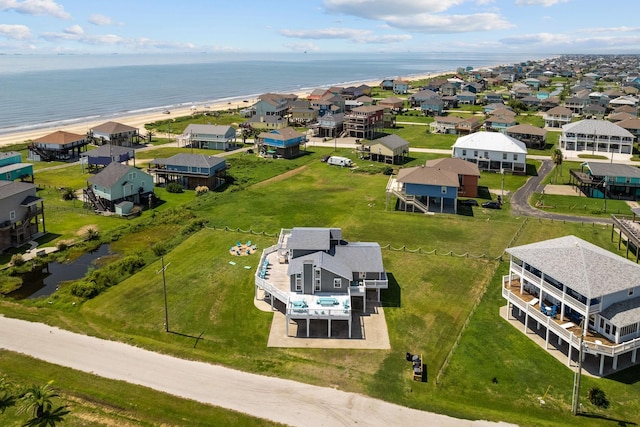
45, 282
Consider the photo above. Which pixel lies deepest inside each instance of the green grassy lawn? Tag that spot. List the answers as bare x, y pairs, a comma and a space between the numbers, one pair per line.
426, 307
93, 400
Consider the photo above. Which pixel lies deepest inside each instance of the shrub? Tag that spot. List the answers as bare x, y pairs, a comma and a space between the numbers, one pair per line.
91, 233
85, 290
388, 170
598, 398
193, 226
201, 189
160, 249
68, 193
174, 187
17, 260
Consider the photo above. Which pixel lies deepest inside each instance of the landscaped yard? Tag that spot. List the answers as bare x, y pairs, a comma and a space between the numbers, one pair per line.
430, 299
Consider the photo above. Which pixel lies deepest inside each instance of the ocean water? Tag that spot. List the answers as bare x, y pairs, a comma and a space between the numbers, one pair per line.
56, 90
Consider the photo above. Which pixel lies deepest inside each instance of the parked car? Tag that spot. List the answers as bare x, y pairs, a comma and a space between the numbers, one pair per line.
491, 205
469, 202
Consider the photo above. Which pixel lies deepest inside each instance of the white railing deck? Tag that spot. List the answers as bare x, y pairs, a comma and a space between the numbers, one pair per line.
591, 344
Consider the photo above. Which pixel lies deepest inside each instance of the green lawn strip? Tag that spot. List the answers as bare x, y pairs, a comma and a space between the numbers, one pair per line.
94, 400
580, 205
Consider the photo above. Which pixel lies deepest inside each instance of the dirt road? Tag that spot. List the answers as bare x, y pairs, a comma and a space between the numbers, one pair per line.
275, 399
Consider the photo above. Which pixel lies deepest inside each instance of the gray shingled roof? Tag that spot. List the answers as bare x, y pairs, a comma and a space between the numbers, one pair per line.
113, 128
349, 258
110, 175
390, 141
613, 170
192, 160
108, 150
310, 238
10, 188
206, 129
623, 313
597, 127
580, 265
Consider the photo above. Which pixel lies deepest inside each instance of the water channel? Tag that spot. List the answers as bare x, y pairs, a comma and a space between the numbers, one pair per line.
45, 281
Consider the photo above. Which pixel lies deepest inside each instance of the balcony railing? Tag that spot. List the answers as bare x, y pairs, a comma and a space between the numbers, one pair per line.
593, 345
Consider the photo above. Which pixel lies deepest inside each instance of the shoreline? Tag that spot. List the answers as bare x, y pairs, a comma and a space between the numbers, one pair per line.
139, 119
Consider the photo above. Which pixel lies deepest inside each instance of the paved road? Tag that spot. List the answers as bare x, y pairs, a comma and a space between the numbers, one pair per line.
520, 200
275, 399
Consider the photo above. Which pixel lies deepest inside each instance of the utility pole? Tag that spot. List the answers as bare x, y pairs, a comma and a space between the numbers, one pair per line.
164, 286
575, 401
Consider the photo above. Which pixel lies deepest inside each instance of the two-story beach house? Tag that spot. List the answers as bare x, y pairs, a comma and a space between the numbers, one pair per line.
492, 151
118, 183
212, 137
596, 136
190, 170
575, 292
114, 133
21, 214
313, 274
59, 145
365, 122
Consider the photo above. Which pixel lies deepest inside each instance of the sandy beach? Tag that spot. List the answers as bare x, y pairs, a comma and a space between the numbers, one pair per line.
139, 120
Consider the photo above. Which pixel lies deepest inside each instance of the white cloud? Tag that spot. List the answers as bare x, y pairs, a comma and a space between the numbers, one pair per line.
35, 7
376, 9
571, 44
74, 29
423, 16
76, 34
426, 23
355, 35
100, 20
545, 3
15, 32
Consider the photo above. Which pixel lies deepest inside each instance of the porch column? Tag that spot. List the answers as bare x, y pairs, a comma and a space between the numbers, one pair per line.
615, 363
308, 322
287, 325
601, 372
526, 322
350, 324
271, 297
633, 355
546, 338
569, 351
329, 333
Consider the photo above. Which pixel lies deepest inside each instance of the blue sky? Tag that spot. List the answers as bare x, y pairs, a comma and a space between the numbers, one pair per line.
146, 26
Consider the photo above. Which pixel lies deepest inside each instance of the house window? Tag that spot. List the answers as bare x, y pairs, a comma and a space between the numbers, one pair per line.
515, 157
12, 215
337, 282
486, 154
317, 283
464, 152
475, 153
298, 282
504, 156
132, 175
